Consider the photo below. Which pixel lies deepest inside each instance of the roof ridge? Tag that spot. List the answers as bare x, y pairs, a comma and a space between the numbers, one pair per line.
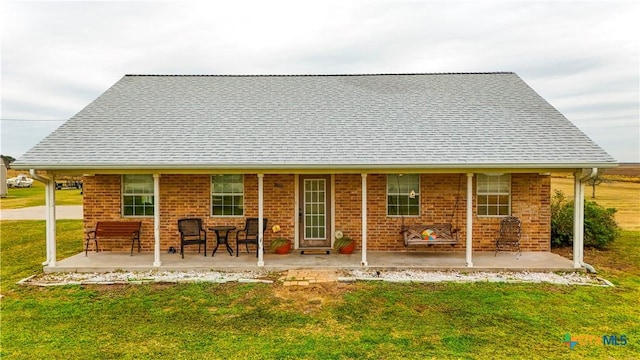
321, 75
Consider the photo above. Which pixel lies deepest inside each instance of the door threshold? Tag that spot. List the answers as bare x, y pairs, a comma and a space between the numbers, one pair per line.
315, 251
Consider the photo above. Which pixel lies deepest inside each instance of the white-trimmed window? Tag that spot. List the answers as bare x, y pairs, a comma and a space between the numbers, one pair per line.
227, 195
493, 193
137, 195
403, 195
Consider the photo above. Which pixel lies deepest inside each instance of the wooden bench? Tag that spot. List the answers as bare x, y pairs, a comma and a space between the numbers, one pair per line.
430, 234
114, 229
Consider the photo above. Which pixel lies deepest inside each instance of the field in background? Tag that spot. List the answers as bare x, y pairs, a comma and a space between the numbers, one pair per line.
34, 196
624, 196
625, 172
621, 193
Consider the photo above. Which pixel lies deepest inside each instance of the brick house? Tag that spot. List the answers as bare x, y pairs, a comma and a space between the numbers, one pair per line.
363, 154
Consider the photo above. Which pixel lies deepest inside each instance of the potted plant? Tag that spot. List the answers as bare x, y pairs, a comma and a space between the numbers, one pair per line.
344, 244
280, 245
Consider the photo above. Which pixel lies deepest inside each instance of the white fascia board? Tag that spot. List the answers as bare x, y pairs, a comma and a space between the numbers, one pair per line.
324, 168
302, 167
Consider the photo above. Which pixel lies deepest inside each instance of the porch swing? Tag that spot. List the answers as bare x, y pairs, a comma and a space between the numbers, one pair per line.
434, 234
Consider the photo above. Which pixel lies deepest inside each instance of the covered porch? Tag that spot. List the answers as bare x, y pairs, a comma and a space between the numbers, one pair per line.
468, 259
430, 261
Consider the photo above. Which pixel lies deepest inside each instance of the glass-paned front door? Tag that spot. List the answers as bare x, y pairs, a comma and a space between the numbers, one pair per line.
315, 209
315, 212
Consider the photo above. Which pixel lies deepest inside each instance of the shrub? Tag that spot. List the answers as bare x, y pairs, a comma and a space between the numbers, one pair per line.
600, 227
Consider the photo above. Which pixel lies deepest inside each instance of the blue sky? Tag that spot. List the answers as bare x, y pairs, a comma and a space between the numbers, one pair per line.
582, 57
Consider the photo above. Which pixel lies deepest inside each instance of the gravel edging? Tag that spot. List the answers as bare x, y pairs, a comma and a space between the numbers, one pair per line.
408, 276
136, 278
492, 277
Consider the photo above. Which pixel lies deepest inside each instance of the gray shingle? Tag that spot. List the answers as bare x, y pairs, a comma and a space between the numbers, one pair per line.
471, 120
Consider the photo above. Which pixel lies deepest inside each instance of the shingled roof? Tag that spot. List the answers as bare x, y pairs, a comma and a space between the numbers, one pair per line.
470, 120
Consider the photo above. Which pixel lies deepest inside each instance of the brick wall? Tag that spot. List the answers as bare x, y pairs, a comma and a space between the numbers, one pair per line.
439, 194
189, 196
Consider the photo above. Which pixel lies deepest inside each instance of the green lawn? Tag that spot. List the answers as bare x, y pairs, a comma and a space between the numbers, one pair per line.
34, 196
361, 320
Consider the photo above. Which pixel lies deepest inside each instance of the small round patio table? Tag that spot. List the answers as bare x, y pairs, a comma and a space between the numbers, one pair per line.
222, 236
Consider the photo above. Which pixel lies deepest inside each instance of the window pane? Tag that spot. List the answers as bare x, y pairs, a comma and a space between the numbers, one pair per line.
217, 186
392, 200
493, 194
392, 184
137, 184
237, 187
413, 182
227, 197
216, 200
504, 185
399, 194
137, 195
482, 184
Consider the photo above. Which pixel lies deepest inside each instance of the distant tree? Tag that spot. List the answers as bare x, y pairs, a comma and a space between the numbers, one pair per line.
7, 160
595, 181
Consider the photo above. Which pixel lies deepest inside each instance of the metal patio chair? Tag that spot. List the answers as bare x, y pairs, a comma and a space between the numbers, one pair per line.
249, 235
192, 233
509, 235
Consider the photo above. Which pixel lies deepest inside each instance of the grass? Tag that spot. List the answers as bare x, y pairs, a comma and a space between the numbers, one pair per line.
34, 196
332, 321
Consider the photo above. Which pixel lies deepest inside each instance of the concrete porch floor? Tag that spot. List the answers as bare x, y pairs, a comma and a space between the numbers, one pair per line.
437, 261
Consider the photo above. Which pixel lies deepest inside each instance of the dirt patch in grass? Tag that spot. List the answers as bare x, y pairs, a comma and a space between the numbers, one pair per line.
312, 297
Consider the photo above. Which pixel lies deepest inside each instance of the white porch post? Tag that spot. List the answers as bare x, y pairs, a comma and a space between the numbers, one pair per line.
364, 220
47, 217
578, 220
260, 219
469, 245
156, 220
50, 202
